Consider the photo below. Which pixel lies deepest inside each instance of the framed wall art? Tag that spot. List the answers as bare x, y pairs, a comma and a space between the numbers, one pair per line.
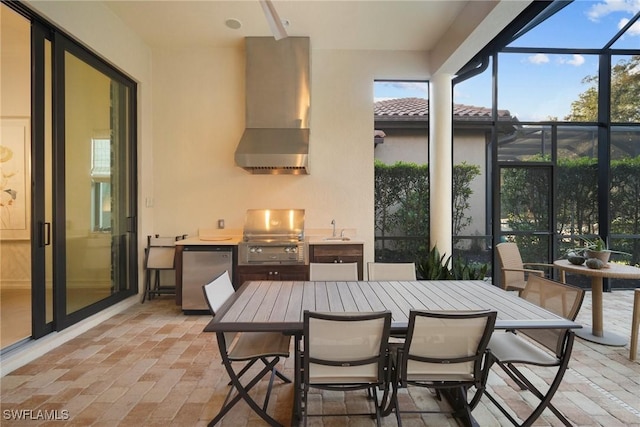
15, 172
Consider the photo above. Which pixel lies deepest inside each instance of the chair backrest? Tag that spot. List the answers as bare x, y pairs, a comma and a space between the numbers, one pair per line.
160, 253
357, 354
333, 271
509, 257
446, 345
391, 271
558, 298
218, 291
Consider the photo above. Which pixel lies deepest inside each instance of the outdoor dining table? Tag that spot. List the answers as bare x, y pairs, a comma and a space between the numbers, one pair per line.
278, 306
596, 332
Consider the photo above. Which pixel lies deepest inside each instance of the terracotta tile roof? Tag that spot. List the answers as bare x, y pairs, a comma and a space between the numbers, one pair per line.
418, 109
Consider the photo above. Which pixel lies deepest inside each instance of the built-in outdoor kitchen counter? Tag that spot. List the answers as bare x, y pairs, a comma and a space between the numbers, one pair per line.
321, 246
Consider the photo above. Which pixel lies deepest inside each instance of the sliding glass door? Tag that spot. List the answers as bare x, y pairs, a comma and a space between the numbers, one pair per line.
94, 227
67, 235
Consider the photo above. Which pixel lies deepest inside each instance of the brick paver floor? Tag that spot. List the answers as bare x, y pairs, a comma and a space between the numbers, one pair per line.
153, 366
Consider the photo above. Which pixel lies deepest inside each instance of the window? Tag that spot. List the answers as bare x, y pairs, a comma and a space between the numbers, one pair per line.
101, 184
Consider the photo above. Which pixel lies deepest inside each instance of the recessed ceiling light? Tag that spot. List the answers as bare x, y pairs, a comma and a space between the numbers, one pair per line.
233, 23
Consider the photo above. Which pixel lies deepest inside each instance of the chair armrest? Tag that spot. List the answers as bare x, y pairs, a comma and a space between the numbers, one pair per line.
538, 264
562, 272
525, 270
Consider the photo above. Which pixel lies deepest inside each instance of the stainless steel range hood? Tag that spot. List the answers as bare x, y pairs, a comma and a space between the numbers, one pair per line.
276, 137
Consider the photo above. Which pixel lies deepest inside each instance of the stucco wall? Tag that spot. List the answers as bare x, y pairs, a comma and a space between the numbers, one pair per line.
199, 119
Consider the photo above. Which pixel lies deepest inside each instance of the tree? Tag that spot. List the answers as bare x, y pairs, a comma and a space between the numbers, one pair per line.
625, 95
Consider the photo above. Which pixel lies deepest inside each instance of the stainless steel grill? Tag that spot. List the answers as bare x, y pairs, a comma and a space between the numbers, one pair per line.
273, 236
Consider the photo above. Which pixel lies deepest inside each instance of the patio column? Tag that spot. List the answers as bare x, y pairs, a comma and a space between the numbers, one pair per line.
441, 162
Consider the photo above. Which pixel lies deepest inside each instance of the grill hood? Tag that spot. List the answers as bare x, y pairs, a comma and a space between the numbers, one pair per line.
276, 137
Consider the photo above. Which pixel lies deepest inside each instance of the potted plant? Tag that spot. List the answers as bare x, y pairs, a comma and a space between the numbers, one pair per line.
596, 248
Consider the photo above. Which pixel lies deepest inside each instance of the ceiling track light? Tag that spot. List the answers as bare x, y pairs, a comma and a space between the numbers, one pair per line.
274, 21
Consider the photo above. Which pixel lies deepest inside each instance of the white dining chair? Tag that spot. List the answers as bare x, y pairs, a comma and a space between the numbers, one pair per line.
354, 359
552, 347
391, 271
443, 351
333, 271
249, 347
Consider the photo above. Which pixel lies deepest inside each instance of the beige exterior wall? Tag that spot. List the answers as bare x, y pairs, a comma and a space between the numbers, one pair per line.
470, 147
411, 145
405, 146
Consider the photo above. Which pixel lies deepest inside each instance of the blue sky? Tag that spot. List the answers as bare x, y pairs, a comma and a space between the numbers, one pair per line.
540, 86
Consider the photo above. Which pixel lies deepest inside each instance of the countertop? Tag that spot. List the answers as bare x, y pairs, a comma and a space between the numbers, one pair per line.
312, 237
210, 241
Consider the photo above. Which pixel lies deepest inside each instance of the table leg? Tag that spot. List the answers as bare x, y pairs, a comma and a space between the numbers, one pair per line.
596, 306
297, 381
596, 332
457, 398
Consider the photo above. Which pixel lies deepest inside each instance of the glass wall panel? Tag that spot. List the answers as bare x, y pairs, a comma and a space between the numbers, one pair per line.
577, 142
529, 143
577, 181
95, 183
625, 89
401, 176
15, 174
525, 199
625, 190
48, 190
533, 249
545, 87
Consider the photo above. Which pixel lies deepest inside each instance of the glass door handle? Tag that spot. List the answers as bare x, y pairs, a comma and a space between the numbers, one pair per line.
45, 236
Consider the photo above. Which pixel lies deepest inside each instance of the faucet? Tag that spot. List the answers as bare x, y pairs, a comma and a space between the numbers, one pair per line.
333, 223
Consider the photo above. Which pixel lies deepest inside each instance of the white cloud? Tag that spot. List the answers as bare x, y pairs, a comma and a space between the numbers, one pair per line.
576, 60
538, 58
606, 7
634, 30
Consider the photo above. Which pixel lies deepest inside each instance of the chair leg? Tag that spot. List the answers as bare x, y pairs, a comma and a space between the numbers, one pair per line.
243, 390
156, 283
277, 372
376, 405
508, 369
545, 399
147, 286
243, 393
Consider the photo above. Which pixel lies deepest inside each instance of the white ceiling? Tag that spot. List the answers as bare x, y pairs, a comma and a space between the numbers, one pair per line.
331, 24
426, 25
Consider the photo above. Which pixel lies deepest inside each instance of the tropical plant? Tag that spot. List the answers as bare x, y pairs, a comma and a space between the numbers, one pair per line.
463, 270
434, 266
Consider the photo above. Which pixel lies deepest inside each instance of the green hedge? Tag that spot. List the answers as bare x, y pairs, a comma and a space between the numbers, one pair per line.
402, 207
524, 194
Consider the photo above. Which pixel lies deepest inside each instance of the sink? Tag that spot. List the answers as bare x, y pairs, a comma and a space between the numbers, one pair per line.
342, 239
